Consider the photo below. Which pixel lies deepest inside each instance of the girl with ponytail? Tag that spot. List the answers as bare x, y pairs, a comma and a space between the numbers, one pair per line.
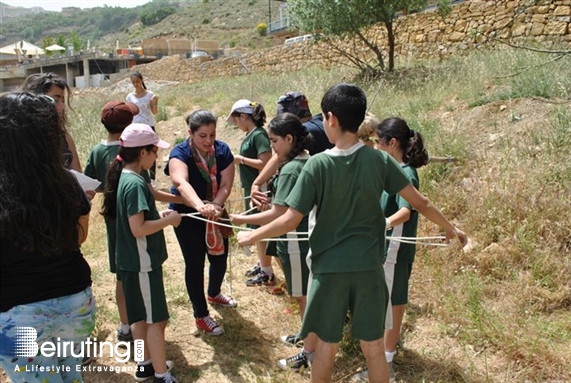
395, 137
290, 140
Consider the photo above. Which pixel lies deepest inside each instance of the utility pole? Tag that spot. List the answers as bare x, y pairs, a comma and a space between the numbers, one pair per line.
270, 12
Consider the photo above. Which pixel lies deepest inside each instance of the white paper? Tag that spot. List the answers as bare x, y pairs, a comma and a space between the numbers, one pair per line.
86, 183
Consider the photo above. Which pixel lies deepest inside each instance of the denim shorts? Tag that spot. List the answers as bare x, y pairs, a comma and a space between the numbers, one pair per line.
69, 318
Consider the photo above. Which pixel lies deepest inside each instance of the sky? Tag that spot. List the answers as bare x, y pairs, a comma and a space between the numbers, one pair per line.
56, 5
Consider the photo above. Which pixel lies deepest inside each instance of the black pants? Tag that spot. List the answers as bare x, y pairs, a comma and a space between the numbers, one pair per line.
191, 238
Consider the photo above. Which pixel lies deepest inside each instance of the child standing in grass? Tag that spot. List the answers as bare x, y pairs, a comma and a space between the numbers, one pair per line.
343, 187
115, 117
406, 146
148, 104
290, 139
255, 152
140, 246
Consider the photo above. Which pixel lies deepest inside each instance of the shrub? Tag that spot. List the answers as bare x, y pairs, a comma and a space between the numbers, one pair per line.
262, 29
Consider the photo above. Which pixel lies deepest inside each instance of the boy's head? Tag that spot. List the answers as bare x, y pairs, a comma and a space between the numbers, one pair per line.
348, 103
294, 103
117, 115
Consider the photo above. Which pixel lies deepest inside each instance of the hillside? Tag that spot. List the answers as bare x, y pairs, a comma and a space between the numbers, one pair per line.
218, 20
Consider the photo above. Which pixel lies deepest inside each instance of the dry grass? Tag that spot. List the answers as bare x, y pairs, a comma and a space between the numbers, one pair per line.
499, 312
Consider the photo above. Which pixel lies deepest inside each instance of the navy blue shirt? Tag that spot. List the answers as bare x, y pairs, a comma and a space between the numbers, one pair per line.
320, 141
224, 158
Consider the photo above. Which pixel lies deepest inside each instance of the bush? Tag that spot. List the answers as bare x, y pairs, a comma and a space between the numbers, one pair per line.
151, 17
262, 29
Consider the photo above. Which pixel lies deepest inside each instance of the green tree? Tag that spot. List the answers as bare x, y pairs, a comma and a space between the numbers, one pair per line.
61, 40
46, 42
76, 41
332, 20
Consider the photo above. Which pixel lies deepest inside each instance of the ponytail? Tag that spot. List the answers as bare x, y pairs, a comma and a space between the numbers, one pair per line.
410, 141
259, 115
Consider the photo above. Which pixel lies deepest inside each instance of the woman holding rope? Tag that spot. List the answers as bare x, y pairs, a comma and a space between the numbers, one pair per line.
406, 146
201, 169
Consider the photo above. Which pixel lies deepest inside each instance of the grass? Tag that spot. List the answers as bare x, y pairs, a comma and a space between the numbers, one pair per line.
496, 313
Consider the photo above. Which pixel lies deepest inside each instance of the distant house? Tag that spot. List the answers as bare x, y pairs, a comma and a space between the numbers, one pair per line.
70, 11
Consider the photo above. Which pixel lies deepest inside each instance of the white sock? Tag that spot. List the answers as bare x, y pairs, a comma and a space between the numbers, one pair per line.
125, 328
268, 270
309, 354
390, 355
161, 375
145, 363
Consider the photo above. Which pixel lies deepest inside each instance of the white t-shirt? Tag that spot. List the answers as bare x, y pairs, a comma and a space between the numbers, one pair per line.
145, 115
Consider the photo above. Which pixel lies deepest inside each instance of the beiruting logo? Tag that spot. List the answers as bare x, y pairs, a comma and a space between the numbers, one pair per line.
26, 346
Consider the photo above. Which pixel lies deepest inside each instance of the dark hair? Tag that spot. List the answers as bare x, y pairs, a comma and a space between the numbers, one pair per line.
39, 199
42, 83
410, 141
348, 103
127, 155
139, 76
199, 118
259, 115
288, 123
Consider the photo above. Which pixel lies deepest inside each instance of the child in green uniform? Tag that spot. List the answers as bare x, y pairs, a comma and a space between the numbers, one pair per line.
343, 186
406, 146
140, 246
255, 152
115, 117
290, 139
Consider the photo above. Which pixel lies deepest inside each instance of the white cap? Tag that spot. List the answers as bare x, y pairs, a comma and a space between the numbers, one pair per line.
242, 106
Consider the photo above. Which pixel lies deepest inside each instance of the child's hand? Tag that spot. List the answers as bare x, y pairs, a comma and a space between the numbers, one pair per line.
236, 219
244, 239
457, 233
90, 194
238, 159
259, 199
174, 218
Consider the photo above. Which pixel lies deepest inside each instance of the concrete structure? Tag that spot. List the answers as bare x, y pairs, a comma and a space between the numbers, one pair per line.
83, 70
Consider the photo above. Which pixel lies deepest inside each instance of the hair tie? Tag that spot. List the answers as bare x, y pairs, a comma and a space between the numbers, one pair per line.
119, 158
253, 104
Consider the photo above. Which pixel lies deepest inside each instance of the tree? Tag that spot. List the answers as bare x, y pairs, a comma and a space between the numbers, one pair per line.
331, 20
46, 42
61, 40
76, 41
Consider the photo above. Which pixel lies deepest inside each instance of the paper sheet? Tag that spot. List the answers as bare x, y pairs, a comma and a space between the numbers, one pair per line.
86, 183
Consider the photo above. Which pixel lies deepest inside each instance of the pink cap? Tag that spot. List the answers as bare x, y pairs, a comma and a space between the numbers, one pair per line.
138, 135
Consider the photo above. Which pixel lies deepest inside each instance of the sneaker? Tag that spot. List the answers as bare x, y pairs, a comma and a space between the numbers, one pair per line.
253, 271
297, 363
261, 279
292, 340
124, 337
222, 300
146, 372
85, 360
168, 378
208, 325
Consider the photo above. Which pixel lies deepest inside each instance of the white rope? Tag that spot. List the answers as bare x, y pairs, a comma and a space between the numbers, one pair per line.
244, 198
420, 240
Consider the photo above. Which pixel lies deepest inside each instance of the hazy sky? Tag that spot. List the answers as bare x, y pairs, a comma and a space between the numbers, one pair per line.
56, 5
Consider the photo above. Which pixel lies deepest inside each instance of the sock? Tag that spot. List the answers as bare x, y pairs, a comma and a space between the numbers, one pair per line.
145, 363
308, 354
268, 270
161, 375
125, 328
390, 355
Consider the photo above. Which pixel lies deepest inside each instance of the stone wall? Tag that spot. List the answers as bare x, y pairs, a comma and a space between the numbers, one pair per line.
471, 25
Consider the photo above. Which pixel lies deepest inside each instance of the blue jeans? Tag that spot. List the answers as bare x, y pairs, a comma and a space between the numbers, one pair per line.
70, 318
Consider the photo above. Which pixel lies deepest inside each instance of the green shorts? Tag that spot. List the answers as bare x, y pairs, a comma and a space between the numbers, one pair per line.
296, 272
145, 296
364, 293
397, 276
